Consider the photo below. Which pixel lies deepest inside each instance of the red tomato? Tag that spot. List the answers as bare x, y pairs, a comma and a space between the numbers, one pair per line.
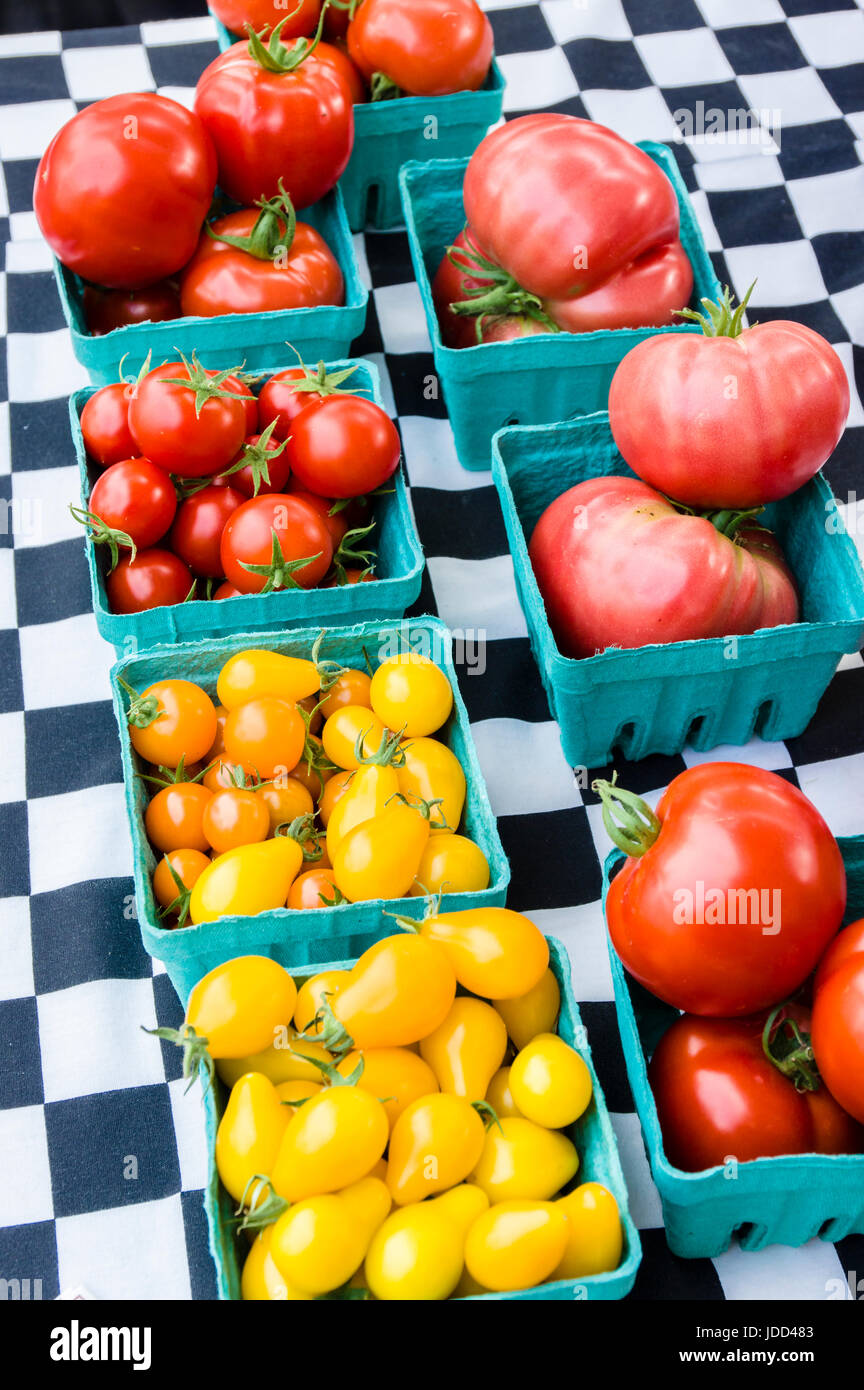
347, 69
123, 188
729, 421
838, 1019
251, 479
105, 310
458, 283
224, 279
343, 446
197, 531
336, 522
173, 433
280, 399
618, 566
272, 533
295, 123
239, 15
563, 204
336, 21
234, 382
644, 294
136, 497
105, 424
153, 578
729, 842
719, 1096
226, 590
427, 48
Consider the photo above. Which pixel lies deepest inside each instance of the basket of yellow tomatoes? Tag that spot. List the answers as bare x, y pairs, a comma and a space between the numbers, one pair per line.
284, 790
424, 1123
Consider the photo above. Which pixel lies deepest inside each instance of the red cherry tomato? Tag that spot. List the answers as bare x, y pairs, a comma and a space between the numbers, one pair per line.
280, 401
154, 578
245, 479
105, 310
136, 497
427, 48
343, 446
197, 531
123, 188
226, 590
737, 891
239, 15
299, 532
105, 424
242, 388
838, 1019
174, 434
336, 522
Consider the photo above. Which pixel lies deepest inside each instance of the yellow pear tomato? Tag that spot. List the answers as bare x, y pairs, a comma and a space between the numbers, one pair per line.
516, 1244
246, 880
342, 731
521, 1159
409, 692
533, 1012
418, 1253
261, 1280
321, 1241
595, 1237
395, 1075
331, 1142
366, 796
466, 1049
451, 864
285, 1059
499, 1095
291, 1091
239, 1006
432, 772
397, 993
311, 995
435, 1143
256, 672
550, 1082
496, 953
380, 858
250, 1133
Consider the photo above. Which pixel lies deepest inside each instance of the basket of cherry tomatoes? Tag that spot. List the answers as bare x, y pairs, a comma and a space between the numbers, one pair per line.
213, 502
284, 790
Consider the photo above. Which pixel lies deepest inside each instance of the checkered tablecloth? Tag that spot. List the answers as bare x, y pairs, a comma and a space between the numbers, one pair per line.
102, 1157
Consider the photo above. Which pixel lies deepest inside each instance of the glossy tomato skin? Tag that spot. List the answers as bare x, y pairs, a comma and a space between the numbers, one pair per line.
154, 578
105, 310
279, 401
727, 827
719, 1097
452, 285
105, 425
520, 204
236, 383
238, 15
618, 566
176, 437
343, 446
278, 470
838, 1019
428, 48
248, 537
123, 211
709, 446
222, 279
644, 294
136, 497
197, 531
345, 66
266, 127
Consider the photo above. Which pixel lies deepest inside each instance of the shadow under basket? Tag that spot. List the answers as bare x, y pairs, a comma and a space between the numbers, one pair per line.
704, 692
786, 1201
592, 1134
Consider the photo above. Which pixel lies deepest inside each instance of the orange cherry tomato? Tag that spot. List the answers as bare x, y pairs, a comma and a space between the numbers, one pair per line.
351, 688
285, 799
235, 816
337, 785
188, 864
267, 733
217, 748
170, 720
312, 888
224, 773
174, 818
313, 778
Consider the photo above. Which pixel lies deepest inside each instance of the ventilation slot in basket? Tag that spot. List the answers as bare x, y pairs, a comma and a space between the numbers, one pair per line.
764, 716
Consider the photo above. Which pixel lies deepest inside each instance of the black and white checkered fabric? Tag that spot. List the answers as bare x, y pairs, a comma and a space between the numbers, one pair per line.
100, 1152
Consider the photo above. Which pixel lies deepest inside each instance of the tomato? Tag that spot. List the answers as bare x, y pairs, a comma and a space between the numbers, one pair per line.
647, 293
564, 204
174, 818
134, 500
285, 800
238, 1006
247, 880
249, 1134
427, 48
351, 687
450, 864
396, 1075
257, 671
321, 1241
335, 522
343, 729
105, 310
333, 790
237, 383
459, 278
105, 424
516, 1244
729, 433
285, 1060
273, 542
435, 1143
311, 996
499, 1095
280, 400
169, 721
240, 15
397, 993
197, 531
410, 693
266, 733
618, 566
728, 842
838, 1019
719, 1095
343, 446
466, 1049
292, 119
154, 578
595, 1238
271, 263
366, 796
123, 188
550, 1082
260, 466
379, 858
314, 889
183, 421
261, 1280
431, 771
521, 1159
417, 1254
533, 1012
495, 952
235, 816
331, 1142
337, 57
188, 865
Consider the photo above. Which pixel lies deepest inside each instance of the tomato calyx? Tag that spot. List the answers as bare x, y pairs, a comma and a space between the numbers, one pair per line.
322, 382
280, 572
143, 709
627, 818
328, 669
273, 55
103, 534
337, 899
383, 88
256, 457
326, 1029
180, 904
272, 236
423, 808
723, 320
504, 298
302, 830
195, 1051
789, 1050
728, 521
256, 1214
171, 776
488, 1114
388, 754
350, 554
206, 385
334, 1077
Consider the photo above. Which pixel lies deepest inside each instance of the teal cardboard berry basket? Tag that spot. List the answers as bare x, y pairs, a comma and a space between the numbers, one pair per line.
389, 133
655, 699
255, 340
592, 1134
785, 1201
529, 381
398, 568
295, 937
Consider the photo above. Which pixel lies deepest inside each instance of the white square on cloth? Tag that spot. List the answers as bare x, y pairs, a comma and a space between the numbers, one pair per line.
639, 115
16, 949
114, 1254
800, 96
830, 202
13, 782
728, 14
92, 1039
523, 766
25, 1174
830, 40
683, 57
28, 126
95, 73
786, 272
40, 506
535, 80
477, 594
78, 836
71, 646
585, 19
